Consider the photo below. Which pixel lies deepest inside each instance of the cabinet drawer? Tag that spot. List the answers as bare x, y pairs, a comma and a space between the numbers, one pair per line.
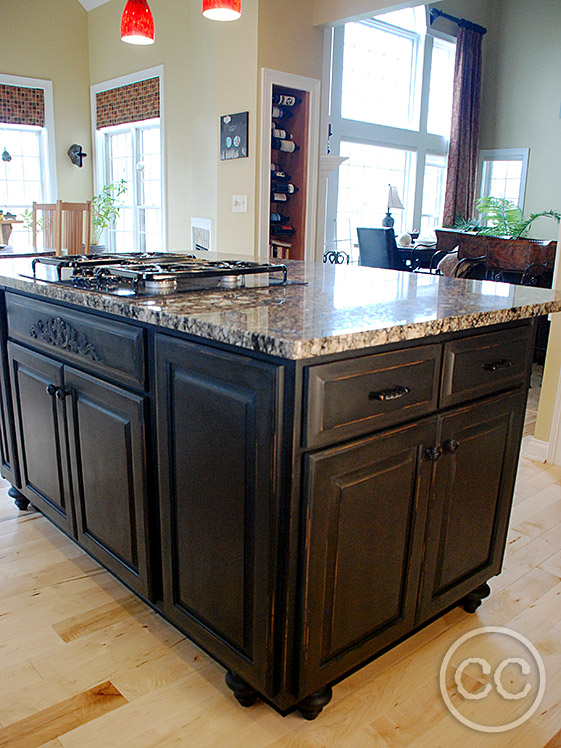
113, 349
483, 364
345, 399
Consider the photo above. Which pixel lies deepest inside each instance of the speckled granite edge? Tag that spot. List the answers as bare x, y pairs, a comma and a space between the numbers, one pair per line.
282, 345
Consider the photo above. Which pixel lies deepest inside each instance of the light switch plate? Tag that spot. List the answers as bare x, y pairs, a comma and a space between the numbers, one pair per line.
239, 203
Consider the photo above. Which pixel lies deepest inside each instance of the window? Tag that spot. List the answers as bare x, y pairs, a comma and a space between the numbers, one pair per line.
129, 146
26, 137
503, 173
391, 108
363, 185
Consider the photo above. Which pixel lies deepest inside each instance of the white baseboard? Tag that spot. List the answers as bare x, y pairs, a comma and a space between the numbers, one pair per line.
535, 449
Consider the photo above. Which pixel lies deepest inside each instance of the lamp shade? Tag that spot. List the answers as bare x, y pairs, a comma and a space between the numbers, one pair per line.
222, 10
393, 198
137, 23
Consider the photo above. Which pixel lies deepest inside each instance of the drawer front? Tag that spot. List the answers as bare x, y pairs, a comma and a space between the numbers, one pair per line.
345, 399
483, 364
112, 349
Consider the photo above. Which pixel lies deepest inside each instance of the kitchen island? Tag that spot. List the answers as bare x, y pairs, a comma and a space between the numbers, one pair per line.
296, 476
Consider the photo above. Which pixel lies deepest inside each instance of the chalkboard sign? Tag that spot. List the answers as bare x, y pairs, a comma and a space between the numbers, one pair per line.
233, 136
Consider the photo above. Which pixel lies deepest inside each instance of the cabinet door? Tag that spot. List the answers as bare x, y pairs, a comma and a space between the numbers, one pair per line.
365, 514
41, 435
471, 499
218, 426
106, 437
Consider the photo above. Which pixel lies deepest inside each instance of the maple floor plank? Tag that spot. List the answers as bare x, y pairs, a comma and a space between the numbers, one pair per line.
49, 724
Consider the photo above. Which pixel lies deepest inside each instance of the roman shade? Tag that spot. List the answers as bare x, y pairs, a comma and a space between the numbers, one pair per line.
133, 103
20, 105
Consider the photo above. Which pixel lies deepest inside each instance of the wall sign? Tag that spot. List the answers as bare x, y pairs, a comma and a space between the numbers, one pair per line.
233, 136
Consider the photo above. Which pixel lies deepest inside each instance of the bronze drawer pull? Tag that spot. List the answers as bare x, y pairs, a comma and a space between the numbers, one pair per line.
392, 394
502, 363
51, 389
61, 393
451, 446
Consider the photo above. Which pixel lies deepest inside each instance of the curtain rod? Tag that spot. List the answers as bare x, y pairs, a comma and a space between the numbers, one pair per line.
436, 13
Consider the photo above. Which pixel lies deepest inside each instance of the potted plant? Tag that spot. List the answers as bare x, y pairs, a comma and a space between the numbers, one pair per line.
105, 208
500, 217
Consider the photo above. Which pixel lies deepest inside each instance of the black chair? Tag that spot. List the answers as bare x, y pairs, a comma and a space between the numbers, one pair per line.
378, 249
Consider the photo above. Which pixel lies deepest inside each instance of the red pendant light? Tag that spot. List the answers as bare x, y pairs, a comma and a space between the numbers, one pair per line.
137, 24
222, 10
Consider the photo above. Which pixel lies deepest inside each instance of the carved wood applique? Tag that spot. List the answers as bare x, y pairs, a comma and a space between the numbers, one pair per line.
59, 333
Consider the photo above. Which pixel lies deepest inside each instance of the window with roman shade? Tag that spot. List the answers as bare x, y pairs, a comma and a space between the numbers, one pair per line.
128, 140
27, 149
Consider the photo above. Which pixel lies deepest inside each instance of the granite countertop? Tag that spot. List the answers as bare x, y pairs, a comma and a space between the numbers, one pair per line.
325, 308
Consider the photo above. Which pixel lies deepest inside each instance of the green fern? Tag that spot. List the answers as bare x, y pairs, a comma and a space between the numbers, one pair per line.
500, 217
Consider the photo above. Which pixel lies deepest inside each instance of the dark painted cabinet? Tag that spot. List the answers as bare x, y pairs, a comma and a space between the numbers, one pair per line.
218, 422
366, 508
471, 499
40, 431
82, 452
399, 527
307, 514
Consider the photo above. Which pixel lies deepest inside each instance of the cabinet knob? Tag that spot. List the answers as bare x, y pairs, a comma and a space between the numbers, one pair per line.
502, 363
451, 446
434, 453
51, 389
392, 394
61, 393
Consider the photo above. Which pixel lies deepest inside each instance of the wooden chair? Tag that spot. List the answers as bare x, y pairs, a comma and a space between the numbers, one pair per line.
45, 218
64, 225
75, 227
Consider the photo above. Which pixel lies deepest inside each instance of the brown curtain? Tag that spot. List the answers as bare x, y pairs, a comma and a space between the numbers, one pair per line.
464, 133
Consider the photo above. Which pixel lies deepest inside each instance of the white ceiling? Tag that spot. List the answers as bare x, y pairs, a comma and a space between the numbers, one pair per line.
91, 4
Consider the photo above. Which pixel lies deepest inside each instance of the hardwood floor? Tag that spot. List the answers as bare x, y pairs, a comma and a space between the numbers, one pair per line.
84, 664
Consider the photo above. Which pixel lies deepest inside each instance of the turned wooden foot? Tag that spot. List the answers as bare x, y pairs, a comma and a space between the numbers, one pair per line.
243, 692
19, 499
312, 705
471, 602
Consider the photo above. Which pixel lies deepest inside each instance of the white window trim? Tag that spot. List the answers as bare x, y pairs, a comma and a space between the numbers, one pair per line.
49, 129
97, 140
503, 154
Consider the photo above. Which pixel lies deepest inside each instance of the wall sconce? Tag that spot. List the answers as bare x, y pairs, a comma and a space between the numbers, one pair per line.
76, 154
5, 155
222, 10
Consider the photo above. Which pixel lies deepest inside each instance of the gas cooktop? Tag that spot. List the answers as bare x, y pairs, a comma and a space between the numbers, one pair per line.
151, 274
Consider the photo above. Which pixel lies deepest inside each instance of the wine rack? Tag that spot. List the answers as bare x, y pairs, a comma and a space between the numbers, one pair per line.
289, 127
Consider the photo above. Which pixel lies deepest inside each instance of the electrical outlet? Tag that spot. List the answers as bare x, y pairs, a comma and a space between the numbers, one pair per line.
239, 203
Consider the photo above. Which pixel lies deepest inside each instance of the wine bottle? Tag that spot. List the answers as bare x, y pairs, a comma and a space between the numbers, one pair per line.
282, 134
279, 218
288, 188
283, 228
284, 145
280, 113
286, 100
279, 197
278, 175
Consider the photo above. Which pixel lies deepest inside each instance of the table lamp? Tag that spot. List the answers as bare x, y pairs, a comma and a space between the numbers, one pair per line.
393, 202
